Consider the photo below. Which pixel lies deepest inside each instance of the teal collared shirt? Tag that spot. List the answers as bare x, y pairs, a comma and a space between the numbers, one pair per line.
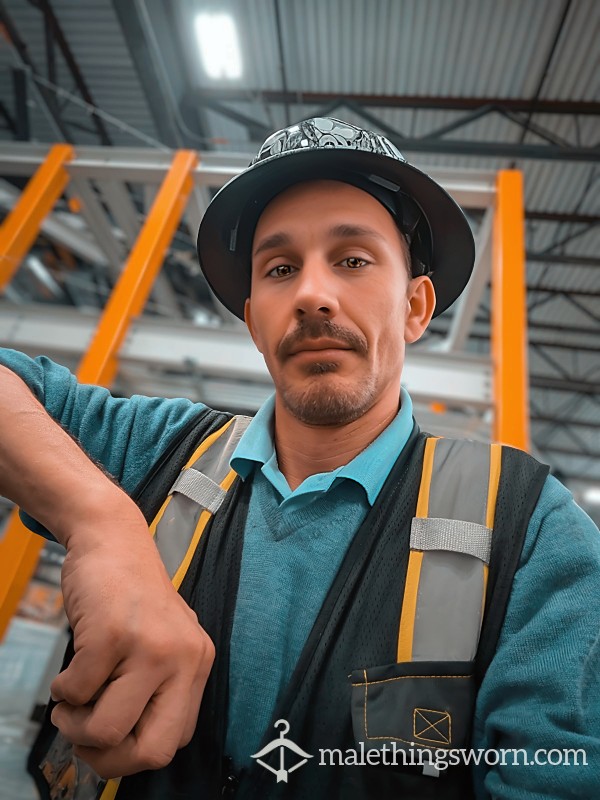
542, 689
369, 468
294, 543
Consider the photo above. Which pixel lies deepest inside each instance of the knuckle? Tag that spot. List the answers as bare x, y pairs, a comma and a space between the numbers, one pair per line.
186, 736
201, 644
105, 736
209, 652
75, 694
57, 718
156, 759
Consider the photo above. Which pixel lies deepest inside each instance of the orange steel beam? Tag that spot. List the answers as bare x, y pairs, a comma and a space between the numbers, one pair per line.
99, 365
19, 549
21, 227
509, 314
19, 553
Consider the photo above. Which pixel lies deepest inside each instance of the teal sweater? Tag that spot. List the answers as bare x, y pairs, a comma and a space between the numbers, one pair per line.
542, 690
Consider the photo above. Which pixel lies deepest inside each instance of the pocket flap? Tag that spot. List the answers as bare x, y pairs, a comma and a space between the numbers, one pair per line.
415, 704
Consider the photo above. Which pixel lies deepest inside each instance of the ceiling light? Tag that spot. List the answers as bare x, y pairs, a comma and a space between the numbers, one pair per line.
219, 45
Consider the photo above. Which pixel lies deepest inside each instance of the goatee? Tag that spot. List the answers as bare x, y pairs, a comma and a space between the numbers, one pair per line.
317, 401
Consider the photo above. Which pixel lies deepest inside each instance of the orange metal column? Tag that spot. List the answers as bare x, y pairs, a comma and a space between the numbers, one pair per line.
509, 314
21, 227
99, 364
18, 550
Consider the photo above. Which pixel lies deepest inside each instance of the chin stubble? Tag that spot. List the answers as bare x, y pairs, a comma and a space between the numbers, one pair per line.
324, 405
317, 401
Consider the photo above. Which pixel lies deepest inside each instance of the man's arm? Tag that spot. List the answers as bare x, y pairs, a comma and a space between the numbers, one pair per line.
130, 697
542, 690
125, 435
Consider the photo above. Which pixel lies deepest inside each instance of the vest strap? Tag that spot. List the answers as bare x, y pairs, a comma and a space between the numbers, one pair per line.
199, 488
195, 497
452, 534
451, 541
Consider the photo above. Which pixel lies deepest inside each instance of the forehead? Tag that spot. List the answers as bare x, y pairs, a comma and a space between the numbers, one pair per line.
325, 199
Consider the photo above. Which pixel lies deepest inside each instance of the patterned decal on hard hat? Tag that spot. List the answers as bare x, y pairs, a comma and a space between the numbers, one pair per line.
324, 132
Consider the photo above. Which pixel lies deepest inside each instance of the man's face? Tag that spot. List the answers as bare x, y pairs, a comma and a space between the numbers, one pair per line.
330, 301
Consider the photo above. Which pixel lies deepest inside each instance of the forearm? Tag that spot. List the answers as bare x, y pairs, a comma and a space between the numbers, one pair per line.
46, 473
130, 626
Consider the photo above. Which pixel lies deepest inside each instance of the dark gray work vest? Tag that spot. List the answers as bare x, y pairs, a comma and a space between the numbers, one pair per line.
371, 673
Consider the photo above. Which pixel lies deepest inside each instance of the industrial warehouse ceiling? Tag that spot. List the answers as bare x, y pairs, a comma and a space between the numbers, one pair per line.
458, 85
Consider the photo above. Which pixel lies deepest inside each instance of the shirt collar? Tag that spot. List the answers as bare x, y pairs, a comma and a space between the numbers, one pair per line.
369, 468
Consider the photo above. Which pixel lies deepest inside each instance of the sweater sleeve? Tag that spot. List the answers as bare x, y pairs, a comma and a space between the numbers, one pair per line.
542, 690
125, 435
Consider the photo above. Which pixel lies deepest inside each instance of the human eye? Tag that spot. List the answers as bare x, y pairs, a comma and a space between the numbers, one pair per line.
280, 271
354, 262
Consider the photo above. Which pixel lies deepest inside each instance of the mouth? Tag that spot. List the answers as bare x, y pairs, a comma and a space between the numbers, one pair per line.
319, 346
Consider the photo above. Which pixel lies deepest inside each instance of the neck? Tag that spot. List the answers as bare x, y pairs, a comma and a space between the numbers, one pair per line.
304, 450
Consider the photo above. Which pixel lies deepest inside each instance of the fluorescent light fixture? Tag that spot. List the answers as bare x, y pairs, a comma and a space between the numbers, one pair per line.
219, 45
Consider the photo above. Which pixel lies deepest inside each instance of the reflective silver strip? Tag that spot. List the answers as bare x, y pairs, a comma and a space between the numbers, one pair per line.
214, 462
200, 488
460, 480
176, 528
448, 612
451, 534
456, 545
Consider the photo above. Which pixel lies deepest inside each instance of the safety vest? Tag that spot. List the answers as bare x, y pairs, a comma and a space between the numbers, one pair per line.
388, 667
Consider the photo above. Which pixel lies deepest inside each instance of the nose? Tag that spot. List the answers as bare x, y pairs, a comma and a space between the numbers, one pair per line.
316, 289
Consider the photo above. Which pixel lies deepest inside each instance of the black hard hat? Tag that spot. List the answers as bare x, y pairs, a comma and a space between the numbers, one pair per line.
439, 236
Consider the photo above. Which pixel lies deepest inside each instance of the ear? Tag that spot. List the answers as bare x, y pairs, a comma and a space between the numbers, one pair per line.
249, 325
420, 297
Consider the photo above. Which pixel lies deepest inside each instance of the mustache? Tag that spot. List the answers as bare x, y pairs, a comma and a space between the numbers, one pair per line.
320, 329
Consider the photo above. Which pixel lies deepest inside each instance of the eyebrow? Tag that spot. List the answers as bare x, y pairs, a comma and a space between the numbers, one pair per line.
273, 241
347, 231
343, 231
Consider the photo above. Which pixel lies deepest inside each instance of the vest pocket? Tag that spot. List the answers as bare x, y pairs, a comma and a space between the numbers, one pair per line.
412, 706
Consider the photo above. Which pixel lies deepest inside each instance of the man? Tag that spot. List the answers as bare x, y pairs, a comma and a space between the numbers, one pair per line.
336, 253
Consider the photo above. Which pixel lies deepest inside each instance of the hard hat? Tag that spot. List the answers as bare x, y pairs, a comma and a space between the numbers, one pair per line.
439, 237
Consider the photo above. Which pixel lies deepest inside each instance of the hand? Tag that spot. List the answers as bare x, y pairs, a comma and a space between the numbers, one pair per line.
130, 696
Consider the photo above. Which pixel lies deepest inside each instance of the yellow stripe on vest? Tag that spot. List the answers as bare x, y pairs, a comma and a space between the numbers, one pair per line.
110, 790
493, 483
202, 448
415, 559
490, 513
202, 523
409, 606
424, 488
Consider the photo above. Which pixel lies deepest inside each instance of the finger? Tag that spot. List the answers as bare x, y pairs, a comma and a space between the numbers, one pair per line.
192, 709
115, 762
196, 692
110, 719
167, 723
87, 673
151, 745
160, 729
